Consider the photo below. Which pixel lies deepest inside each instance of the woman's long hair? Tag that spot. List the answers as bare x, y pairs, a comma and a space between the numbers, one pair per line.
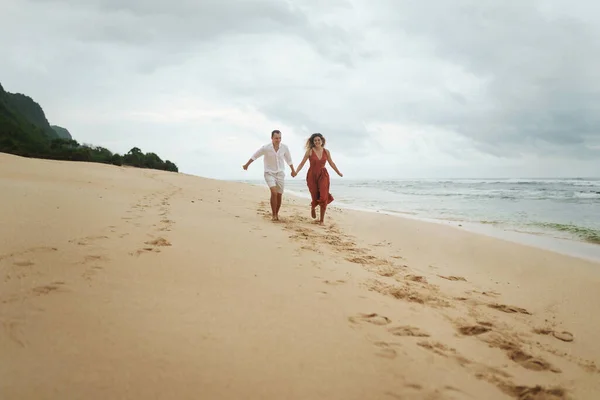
310, 143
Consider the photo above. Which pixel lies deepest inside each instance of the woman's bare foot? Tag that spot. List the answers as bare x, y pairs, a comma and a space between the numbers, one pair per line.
313, 212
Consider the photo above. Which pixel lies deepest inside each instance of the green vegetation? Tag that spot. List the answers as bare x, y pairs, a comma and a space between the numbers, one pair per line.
587, 234
61, 132
25, 131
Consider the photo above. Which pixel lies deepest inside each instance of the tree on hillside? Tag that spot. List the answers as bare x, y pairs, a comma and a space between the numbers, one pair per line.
25, 131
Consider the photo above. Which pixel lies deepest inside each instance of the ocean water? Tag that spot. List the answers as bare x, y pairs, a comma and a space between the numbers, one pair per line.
566, 209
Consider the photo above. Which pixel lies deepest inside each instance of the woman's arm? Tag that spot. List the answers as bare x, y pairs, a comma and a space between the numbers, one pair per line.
302, 162
332, 163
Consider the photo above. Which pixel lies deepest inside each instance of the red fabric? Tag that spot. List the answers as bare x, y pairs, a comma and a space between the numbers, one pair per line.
317, 179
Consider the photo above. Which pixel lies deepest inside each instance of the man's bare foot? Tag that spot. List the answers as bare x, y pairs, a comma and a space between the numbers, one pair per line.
275, 218
313, 212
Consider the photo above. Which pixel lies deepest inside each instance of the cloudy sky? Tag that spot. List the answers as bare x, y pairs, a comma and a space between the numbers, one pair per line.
428, 88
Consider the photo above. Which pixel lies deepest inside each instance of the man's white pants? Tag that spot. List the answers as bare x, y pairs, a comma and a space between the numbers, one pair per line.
275, 179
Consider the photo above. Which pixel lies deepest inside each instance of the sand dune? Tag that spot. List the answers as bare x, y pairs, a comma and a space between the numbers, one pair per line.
128, 283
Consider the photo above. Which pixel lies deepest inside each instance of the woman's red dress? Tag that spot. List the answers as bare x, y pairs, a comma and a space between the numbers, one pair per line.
317, 179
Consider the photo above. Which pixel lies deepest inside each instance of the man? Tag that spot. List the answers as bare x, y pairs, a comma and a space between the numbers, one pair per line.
276, 155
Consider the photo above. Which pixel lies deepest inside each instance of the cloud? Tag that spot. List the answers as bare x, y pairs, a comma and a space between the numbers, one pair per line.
540, 67
397, 87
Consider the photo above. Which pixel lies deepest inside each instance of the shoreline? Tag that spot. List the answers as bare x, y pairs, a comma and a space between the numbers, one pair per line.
571, 247
575, 247
186, 279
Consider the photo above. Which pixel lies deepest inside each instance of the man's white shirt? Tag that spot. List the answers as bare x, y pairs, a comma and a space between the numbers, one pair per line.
274, 161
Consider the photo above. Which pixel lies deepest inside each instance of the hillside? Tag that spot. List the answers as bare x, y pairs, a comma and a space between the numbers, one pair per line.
25, 131
61, 132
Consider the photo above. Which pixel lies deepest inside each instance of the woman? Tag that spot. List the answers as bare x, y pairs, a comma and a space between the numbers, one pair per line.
317, 177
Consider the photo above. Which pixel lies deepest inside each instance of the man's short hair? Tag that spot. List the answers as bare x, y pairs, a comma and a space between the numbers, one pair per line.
274, 132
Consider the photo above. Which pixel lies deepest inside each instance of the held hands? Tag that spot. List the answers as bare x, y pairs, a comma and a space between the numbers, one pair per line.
296, 173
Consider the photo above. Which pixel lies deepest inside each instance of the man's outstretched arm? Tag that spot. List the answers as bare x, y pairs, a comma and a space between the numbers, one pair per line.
257, 153
250, 161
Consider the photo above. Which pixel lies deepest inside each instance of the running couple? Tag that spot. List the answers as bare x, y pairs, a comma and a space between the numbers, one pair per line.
277, 155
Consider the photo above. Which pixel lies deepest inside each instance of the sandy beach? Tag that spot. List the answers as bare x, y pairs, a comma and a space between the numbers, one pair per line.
129, 283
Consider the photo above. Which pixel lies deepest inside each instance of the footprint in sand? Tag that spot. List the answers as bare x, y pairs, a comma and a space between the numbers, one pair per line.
23, 263
473, 330
508, 309
498, 377
312, 248
382, 243
46, 289
367, 260
30, 250
87, 240
437, 347
146, 250
488, 294
350, 248
14, 332
416, 278
518, 355
453, 278
415, 386
564, 335
92, 258
408, 293
159, 242
89, 274
529, 362
433, 393
501, 380
337, 282
407, 330
387, 271
385, 350
533, 393
372, 318
444, 351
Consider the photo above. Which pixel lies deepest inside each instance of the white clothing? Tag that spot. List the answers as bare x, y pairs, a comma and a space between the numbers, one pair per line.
275, 179
274, 161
